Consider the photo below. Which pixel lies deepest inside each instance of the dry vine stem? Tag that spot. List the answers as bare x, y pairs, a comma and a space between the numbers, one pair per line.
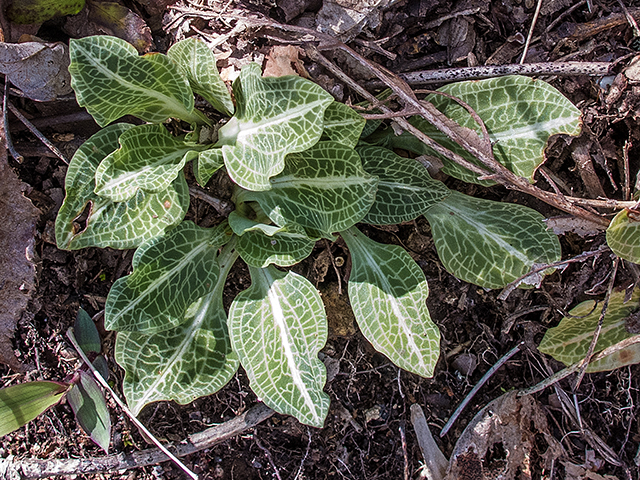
466, 138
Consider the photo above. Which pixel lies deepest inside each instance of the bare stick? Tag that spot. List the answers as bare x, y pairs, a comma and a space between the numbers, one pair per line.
446, 75
478, 386
36, 132
41, 468
596, 333
125, 409
564, 373
578, 258
533, 26
222, 207
7, 134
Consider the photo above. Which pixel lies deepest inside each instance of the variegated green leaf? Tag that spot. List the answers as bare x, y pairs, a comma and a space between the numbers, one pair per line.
149, 159
405, 190
261, 245
623, 235
277, 327
388, 293
569, 341
198, 64
111, 80
275, 116
169, 274
323, 189
185, 362
207, 163
489, 243
520, 115
108, 224
19, 404
343, 124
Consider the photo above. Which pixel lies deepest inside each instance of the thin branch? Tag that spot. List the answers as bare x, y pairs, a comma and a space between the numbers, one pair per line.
478, 386
41, 468
596, 333
36, 132
98, 376
222, 207
7, 134
530, 36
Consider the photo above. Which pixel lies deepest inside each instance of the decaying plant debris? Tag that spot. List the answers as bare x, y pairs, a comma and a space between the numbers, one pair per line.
368, 434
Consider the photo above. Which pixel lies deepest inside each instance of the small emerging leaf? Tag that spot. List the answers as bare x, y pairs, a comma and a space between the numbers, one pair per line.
169, 274
343, 124
569, 341
90, 408
277, 328
181, 364
109, 224
275, 116
623, 235
323, 189
261, 245
149, 159
207, 163
22, 403
86, 333
388, 293
488, 243
111, 80
405, 190
198, 64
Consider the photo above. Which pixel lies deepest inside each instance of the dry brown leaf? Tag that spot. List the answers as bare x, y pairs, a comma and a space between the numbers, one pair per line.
40, 70
518, 425
17, 271
347, 18
283, 60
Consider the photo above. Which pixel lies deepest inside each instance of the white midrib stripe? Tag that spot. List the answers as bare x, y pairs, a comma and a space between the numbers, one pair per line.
171, 102
179, 353
161, 279
274, 297
250, 128
324, 183
395, 307
496, 238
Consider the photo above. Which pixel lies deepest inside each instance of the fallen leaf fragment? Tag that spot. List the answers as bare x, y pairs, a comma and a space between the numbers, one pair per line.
39, 11
519, 425
17, 270
283, 60
40, 70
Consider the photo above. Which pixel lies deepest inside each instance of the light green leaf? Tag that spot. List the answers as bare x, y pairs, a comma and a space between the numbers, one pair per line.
623, 235
198, 64
323, 189
149, 159
90, 408
277, 327
569, 341
343, 124
275, 116
207, 163
22, 403
186, 362
488, 243
108, 224
169, 274
260, 245
388, 293
520, 115
111, 80
25, 12
405, 190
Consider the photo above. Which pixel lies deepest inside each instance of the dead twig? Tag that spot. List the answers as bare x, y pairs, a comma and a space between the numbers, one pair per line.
530, 35
222, 207
40, 468
7, 134
596, 333
478, 386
